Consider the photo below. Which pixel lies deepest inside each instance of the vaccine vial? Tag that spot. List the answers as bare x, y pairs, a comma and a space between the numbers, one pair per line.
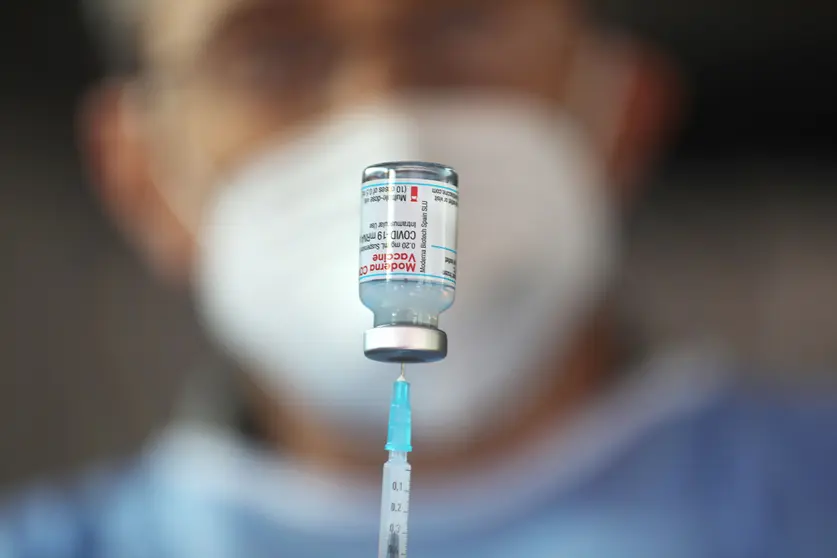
408, 258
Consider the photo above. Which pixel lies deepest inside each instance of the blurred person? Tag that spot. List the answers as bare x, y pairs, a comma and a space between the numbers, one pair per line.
229, 151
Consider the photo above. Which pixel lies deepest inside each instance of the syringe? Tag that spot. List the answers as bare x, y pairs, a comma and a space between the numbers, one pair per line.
402, 202
395, 497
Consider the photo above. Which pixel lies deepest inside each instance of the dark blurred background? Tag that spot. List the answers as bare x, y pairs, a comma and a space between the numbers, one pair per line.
736, 244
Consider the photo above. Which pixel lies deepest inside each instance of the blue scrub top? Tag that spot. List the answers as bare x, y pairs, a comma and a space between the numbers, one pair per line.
680, 463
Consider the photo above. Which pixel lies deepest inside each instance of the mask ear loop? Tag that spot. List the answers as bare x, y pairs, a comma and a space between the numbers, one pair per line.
176, 171
179, 170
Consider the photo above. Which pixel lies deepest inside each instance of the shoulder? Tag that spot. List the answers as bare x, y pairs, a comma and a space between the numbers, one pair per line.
165, 501
775, 453
792, 433
784, 436
716, 408
705, 426
792, 428
754, 463
68, 519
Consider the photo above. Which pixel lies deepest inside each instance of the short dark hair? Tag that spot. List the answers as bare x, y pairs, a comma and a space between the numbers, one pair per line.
116, 24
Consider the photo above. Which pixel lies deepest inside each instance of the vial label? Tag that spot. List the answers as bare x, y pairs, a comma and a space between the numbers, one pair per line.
408, 231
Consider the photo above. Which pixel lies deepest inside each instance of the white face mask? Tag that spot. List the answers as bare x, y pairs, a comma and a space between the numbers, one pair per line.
277, 276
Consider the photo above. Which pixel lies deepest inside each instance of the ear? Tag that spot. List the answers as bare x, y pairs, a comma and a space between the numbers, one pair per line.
115, 142
630, 96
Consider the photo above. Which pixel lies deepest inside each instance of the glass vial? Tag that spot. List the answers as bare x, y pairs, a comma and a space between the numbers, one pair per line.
407, 269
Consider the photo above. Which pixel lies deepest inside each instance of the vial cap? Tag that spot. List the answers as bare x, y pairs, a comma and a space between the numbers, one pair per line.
410, 344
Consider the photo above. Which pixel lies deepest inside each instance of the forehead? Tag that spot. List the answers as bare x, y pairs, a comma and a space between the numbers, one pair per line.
186, 25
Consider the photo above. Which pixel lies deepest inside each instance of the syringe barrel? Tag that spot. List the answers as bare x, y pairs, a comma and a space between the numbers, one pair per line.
408, 251
395, 507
